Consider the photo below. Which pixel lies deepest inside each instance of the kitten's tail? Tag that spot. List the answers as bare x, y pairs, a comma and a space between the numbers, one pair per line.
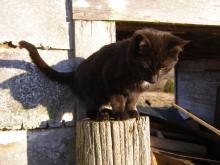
50, 72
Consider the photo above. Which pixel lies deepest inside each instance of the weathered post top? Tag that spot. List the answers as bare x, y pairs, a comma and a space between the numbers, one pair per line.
113, 142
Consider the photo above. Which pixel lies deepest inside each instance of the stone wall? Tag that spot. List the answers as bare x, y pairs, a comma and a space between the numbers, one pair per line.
28, 99
37, 21
197, 83
50, 146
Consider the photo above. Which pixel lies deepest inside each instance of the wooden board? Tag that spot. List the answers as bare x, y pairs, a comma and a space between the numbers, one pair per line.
178, 146
199, 12
90, 36
189, 157
162, 159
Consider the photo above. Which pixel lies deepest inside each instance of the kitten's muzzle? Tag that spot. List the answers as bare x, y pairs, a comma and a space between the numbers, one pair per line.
153, 79
149, 77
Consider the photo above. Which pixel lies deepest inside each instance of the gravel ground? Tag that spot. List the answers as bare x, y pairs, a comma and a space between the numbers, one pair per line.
157, 99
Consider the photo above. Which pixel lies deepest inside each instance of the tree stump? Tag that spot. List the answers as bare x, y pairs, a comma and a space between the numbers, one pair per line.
113, 142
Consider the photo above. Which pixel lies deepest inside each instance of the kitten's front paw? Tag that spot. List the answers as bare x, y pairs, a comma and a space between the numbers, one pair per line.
120, 116
133, 114
104, 114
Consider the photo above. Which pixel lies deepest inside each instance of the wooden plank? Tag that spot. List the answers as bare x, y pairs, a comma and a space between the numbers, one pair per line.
179, 136
203, 12
178, 146
153, 159
165, 159
217, 110
200, 121
90, 36
181, 156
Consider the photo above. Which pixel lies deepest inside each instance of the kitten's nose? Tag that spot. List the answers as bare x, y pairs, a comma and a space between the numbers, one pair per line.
153, 80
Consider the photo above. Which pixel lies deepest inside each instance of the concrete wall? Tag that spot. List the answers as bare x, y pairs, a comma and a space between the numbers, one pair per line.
28, 99
37, 21
45, 147
197, 83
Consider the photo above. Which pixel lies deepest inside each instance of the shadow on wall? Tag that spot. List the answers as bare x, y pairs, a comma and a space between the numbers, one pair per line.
21, 83
33, 88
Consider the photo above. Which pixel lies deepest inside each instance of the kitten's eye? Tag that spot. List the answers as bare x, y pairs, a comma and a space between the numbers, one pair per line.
164, 71
180, 53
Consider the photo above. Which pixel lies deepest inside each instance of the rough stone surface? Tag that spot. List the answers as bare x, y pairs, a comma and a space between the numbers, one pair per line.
28, 98
197, 83
46, 147
37, 21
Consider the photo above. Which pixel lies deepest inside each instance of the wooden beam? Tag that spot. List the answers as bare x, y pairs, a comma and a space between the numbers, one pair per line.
196, 12
189, 157
175, 28
178, 146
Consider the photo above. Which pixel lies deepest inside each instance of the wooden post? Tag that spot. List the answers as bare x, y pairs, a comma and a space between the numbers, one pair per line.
90, 36
113, 142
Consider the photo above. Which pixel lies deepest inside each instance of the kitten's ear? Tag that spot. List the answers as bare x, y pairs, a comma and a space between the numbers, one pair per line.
139, 43
183, 43
177, 42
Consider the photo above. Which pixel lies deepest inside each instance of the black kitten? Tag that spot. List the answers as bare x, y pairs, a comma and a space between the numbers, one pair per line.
114, 76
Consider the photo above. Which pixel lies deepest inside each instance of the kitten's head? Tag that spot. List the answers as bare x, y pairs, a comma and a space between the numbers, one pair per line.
154, 53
